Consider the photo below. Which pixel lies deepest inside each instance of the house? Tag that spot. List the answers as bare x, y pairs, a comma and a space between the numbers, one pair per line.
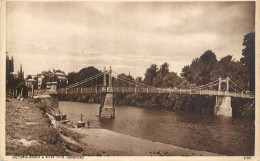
61, 76
29, 82
56, 76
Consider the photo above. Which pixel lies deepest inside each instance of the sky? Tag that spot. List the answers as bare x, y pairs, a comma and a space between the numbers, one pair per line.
129, 36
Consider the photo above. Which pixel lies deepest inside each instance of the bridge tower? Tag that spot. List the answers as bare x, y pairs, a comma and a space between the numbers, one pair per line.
223, 102
107, 108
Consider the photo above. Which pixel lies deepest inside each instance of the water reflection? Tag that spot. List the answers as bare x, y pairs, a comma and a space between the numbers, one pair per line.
106, 123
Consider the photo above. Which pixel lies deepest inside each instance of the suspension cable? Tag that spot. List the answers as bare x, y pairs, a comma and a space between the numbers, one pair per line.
208, 84
237, 86
84, 81
203, 87
120, 78
131, 80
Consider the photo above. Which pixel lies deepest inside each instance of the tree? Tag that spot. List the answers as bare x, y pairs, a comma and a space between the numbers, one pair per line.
248, 58
164, 69
150, 75
235, 70
87, 73
199, 71
139, 79
123, 79
72, 78
29, 77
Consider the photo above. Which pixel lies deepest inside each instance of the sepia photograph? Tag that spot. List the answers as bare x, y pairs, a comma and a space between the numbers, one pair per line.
129, 78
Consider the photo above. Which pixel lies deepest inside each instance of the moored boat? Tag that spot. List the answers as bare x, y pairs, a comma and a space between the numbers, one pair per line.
80, 123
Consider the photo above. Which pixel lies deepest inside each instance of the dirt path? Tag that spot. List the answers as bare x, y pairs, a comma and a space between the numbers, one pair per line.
111, 143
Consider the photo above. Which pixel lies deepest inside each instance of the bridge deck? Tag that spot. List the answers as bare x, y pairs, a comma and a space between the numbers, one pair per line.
151, 90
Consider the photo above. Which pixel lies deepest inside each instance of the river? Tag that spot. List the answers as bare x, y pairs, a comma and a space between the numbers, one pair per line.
218, 134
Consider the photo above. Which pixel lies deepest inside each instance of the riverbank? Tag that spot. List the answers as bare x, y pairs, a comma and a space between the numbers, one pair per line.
106, 142
29, 131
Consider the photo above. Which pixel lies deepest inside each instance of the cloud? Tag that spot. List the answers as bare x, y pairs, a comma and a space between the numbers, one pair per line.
130, 36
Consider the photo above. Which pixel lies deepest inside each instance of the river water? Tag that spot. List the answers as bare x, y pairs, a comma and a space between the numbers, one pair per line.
218, 134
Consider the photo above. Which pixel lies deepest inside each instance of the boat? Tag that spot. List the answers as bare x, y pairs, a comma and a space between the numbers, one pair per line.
80, 123
65, 121
60, 116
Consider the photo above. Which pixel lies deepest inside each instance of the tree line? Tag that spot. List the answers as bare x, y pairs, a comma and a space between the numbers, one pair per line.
202, 70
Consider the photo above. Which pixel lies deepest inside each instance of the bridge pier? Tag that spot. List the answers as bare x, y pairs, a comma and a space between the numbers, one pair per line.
223, 103
107, 108
223, 106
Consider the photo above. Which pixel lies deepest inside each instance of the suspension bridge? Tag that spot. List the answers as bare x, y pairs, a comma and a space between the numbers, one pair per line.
223, 93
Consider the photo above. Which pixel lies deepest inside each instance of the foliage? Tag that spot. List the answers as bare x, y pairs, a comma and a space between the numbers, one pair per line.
248, 58
150, 75
29, 77
47, 79
199, 72
202, 70
84, 73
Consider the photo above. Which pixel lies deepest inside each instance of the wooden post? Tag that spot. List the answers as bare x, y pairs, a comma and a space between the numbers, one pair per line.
81, 117
113, 103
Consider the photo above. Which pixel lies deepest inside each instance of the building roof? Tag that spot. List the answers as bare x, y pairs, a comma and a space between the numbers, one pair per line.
60, 74
30, 80
63, 78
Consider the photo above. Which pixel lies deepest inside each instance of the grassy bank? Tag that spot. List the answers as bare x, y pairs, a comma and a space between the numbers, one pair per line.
28, 130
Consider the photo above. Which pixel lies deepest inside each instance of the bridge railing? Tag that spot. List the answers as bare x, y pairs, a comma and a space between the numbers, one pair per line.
151, 90
80, 90
38, 92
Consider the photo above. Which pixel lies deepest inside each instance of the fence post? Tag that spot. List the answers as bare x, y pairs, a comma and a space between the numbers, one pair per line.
32, 91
